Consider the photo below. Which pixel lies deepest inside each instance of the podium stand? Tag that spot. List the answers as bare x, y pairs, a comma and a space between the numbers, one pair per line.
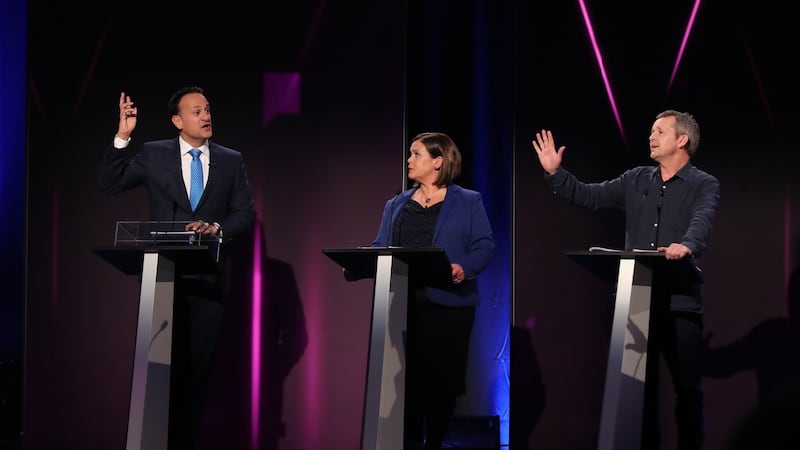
157, 261
384, 402
623, 397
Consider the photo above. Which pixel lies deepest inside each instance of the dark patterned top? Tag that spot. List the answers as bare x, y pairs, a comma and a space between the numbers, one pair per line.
415, 225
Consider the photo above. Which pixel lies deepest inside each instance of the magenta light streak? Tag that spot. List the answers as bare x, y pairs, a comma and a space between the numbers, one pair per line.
37, 99
599, 57
312, 32
683, 45
54, 248
87, 80
255, 343
787, 244
317, 317
761, 91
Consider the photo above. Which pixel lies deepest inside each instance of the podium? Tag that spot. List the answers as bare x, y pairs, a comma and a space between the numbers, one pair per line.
623, 397
155, 251
384, 402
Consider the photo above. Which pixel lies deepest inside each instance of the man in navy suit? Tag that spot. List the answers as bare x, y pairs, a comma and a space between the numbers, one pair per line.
225, 208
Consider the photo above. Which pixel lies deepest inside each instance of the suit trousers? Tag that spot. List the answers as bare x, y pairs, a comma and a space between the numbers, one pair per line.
196, 333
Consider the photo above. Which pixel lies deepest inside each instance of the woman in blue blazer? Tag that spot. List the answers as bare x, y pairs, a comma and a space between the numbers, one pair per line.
437, 212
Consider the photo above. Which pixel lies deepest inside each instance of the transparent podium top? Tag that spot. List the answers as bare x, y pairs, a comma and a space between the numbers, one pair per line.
159, 233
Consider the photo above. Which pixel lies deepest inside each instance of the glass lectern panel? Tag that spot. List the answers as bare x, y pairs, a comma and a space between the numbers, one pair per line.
162, 234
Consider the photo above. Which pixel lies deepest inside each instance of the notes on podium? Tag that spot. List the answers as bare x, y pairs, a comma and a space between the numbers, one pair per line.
617, 250
604, 262
156, 252
634, 272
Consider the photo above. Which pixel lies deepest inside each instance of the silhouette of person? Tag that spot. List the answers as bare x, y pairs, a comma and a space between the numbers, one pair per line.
770, 350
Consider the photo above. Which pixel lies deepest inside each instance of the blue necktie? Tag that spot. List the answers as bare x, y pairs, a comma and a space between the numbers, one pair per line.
196, 189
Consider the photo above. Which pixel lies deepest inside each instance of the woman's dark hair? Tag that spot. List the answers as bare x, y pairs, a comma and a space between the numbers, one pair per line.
440, 144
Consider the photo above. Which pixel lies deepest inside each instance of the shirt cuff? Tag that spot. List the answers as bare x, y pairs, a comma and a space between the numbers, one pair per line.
557, 178
121, 143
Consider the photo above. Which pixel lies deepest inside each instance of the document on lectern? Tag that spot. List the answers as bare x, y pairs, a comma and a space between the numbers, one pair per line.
604, 250
617, 250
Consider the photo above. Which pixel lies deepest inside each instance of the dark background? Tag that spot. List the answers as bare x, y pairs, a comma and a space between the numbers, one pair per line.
320, 178
738, 77
491, 74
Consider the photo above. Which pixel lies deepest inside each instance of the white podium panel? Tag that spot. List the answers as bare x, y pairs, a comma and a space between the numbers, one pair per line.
623, 396
392, 268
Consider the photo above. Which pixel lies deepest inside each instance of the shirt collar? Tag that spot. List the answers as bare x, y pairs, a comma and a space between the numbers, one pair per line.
185, 147
683, 173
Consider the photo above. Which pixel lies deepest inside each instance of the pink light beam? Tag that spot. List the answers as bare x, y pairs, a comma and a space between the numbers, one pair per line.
255, 343
787, 245
589, 29
683, 45
760, 84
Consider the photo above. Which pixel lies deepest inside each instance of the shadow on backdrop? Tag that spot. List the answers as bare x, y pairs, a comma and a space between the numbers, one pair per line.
770, 350
283, 340
10, 404
527, 389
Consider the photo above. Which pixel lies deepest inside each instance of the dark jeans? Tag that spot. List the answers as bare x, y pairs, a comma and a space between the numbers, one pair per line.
678, 337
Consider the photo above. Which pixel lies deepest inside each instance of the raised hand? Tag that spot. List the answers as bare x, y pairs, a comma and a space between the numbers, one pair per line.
545, 147
127, 116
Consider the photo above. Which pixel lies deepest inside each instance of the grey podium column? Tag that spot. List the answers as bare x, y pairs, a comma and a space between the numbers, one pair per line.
148, 418
384, 402
623, 398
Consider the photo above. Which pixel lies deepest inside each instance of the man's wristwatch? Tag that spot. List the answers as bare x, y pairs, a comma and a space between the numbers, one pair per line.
219, 228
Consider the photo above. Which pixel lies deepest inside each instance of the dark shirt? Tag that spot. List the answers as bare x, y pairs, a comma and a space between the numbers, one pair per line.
657, 212
415, 224
414, 228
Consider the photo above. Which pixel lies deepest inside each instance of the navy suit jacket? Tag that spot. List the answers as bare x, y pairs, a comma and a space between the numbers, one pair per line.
462, 229
227, 198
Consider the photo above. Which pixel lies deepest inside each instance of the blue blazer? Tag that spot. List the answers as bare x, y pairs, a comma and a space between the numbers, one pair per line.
227, 198
462, 229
